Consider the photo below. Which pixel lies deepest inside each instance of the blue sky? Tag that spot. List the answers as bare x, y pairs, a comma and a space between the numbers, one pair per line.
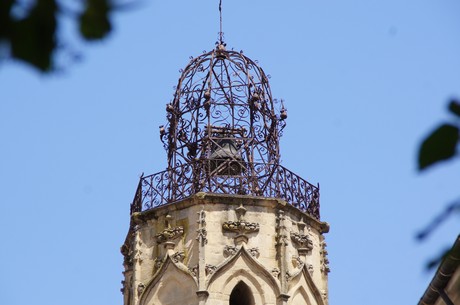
363, 81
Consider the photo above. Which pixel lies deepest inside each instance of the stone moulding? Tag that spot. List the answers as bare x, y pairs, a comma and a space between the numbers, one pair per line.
201, 236
193, 271
230, 250
254, 252
158, 275
240, 227
275, 272
299, 266
245, 252
157, 263
304, 271
310, 269
297, 262
202, 233
140, 288
317, 294
302, 241
210, 269
169, 234
178, 257
325, 269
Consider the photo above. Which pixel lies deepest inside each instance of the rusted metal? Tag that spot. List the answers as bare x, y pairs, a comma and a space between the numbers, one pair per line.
222, 136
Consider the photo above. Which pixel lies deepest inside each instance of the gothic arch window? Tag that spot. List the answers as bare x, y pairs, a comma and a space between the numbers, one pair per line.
241, 295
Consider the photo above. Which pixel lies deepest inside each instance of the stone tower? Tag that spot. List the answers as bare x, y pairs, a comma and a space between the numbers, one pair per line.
225, 223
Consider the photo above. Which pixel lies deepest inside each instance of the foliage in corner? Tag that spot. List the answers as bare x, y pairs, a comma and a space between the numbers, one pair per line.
32, 37
442, 143
94, 20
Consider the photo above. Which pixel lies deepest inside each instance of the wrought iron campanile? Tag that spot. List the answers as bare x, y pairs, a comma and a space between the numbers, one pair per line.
225, 223
222, 136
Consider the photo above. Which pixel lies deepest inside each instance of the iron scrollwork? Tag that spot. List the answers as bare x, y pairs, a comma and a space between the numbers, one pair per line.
222, 136
282, 184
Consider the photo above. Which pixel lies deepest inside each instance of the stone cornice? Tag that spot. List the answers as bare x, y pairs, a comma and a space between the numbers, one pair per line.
202, 198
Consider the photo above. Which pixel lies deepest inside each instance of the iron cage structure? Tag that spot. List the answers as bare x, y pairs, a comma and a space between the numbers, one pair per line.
222, 136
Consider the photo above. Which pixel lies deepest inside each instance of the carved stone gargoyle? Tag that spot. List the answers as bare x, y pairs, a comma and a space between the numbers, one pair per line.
302, 239
169, 234
240, 226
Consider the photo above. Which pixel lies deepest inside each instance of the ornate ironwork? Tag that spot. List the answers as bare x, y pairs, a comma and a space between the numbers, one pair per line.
154, 190
222, 136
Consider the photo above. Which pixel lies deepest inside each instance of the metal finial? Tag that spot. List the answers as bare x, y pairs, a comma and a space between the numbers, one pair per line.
221, 34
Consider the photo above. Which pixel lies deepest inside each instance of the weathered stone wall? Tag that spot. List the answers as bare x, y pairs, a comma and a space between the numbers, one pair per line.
197, 250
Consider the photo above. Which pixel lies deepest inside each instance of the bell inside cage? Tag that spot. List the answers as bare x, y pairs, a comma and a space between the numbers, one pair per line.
225, 158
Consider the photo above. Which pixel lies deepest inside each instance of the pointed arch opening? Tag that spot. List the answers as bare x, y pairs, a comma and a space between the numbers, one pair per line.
241, 295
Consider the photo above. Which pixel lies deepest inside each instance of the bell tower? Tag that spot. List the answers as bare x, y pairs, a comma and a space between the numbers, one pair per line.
225, 223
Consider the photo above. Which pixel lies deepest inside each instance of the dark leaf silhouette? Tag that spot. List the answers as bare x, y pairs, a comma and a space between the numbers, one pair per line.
94, 21
5, 21
439, 219
440, 145
454, 107
33, 38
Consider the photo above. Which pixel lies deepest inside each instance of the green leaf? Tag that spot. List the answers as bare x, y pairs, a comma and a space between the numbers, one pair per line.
440, 145
94, 20
5, 19
454, 107
33, 38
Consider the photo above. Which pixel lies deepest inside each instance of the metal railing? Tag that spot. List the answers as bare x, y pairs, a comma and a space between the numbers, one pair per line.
265, 180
